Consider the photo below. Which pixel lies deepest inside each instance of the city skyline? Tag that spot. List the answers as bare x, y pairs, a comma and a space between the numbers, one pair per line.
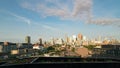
48, 19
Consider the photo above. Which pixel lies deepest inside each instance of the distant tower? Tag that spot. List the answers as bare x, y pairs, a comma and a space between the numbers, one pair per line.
62, 41
27, 39
53, 41
99, 38
74, 38
80, 36
68, 39
40, 40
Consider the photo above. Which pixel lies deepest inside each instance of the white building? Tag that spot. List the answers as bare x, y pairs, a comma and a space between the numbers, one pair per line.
84, 38
58, 41
36, 47
74, 38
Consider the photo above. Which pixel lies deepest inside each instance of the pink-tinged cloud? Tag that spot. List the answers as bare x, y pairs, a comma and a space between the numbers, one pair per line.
80, 10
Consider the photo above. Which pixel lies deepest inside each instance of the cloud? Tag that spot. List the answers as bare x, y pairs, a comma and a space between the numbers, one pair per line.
50, 28
44, 26
69, 10
106, 21
82, 7
26, 20
60, 9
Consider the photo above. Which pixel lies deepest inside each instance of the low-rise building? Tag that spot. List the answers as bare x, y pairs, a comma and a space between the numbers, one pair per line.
38, 46
107, 51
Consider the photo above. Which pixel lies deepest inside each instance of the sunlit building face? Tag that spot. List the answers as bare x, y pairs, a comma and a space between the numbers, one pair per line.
80, 36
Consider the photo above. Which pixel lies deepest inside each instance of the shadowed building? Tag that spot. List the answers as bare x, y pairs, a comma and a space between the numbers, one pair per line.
1, 47
27, 39
6, 47
40, 40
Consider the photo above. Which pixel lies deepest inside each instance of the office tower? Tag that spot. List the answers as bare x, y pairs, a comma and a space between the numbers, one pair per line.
40, 40
62, 41
99, 38
53, 41
84, 38
80, 36
68, 39
74, 38
27, 39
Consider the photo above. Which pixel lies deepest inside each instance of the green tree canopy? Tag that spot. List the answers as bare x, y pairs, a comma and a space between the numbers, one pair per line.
50, 48
90, 47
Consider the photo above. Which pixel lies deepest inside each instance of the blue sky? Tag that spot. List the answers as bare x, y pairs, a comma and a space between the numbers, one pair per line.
57, 18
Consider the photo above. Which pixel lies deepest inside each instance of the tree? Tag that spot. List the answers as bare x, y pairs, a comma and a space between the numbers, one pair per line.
73, 49
50, 48
90, 47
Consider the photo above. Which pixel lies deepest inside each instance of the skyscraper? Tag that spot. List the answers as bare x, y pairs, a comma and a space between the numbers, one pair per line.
27, 39
68, 39
80, 36
40, 40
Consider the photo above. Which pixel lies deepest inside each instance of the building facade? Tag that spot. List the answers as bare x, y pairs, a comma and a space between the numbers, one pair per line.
27, 39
